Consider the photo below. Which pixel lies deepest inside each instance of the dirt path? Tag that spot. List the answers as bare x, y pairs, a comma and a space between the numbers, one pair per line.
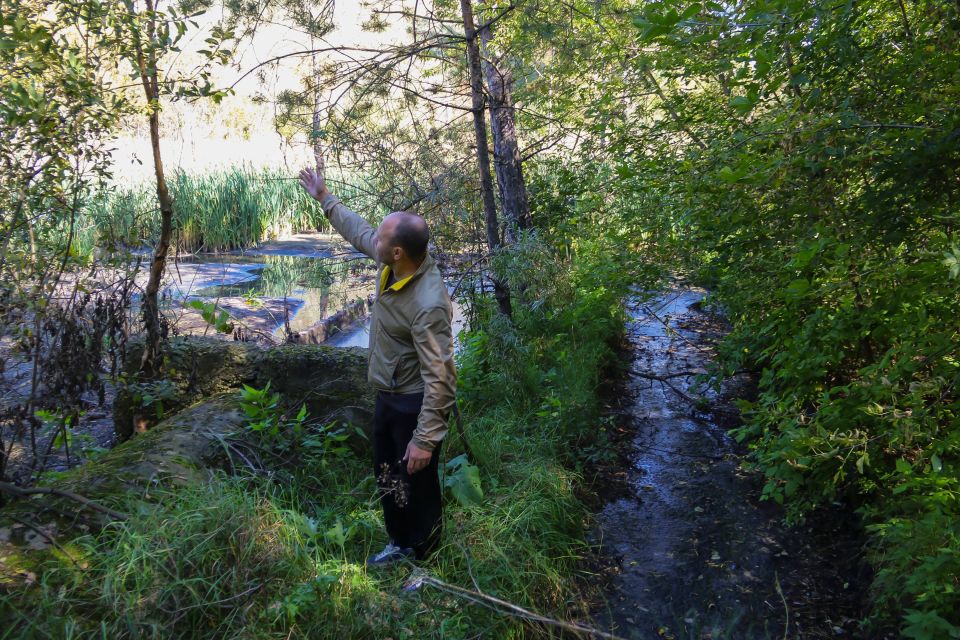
695, 554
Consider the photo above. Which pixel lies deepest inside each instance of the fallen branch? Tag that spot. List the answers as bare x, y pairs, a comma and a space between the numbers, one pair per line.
671, 331
20, 492
665, 380
507, 608
783, 598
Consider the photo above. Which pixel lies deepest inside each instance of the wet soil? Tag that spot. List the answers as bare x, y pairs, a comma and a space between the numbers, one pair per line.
692, 552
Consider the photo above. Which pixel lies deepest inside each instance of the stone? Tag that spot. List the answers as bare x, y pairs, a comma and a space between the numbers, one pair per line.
331, 381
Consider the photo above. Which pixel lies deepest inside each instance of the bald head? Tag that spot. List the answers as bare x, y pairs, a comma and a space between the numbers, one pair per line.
409, 232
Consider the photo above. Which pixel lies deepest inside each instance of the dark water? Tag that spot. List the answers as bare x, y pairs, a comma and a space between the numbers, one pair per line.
696, 554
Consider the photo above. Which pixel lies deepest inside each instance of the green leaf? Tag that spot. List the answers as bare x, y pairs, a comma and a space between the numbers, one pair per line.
863, 461
464, 482
742, 104
337, 534
798, 288
952, 261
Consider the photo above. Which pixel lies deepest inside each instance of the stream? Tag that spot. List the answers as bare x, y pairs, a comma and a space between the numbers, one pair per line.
295, 283
693, 553
291, 284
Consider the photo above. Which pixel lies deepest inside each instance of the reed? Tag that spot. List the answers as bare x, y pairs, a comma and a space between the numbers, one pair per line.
217, 211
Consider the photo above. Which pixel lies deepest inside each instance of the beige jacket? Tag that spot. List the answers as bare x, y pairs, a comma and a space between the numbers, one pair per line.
411, 340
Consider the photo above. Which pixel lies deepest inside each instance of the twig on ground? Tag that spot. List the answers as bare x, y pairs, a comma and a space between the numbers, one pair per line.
466, 555
20, 492
671, 330
663, 378
786, 624
507, 608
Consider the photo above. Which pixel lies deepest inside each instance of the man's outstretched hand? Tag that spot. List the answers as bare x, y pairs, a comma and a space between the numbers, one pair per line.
312, 181
416, 458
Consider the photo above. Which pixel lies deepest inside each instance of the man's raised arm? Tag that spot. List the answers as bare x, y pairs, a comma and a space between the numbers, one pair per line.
351, 226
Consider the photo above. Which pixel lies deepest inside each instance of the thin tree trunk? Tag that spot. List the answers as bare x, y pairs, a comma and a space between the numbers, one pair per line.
500, 290
151, 307
506, 150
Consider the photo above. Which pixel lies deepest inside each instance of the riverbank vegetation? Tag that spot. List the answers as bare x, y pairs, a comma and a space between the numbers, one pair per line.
286, 551
799, 159
216, 211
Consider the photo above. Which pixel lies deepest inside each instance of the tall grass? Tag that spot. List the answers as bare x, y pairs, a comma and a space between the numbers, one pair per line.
215, 211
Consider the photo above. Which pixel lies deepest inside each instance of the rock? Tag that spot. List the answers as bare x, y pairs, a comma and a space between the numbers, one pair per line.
331, 381
184, 449
188, 446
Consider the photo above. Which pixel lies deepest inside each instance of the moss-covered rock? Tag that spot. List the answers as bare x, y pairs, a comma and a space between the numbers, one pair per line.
181, 450
205, 424
331, 381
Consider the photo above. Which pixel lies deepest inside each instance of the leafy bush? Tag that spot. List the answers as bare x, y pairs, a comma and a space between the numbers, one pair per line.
273, 423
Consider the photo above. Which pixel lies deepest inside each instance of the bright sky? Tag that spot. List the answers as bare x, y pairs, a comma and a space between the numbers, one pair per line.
192, 144
276, 40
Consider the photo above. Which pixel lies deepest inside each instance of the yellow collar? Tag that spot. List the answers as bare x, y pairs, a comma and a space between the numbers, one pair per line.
396, 286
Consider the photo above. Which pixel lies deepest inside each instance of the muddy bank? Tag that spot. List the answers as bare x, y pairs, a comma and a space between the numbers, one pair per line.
692, 552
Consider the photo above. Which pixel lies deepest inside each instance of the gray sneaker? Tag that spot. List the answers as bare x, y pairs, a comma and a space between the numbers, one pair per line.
391, 554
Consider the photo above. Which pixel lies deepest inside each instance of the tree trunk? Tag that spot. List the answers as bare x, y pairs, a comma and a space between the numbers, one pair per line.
500, 290
151, 307
506, 150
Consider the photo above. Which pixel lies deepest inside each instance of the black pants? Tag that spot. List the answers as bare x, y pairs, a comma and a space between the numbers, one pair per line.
412, 505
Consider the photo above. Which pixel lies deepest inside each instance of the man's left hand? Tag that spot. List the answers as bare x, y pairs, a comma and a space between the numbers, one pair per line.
416, 458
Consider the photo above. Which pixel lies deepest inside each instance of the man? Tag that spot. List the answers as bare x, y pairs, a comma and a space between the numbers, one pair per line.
411, 367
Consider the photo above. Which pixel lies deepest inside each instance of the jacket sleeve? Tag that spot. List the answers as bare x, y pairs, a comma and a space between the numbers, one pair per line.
433, 339
351, 226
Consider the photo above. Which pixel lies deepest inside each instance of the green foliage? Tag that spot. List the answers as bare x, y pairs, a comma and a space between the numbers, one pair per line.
548, 363
805, 157
216, 211
266, 415
921, 562
191, 552
53, 112
152, 394
463, 480
208, 311
272, 421
291, 547
801, 158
